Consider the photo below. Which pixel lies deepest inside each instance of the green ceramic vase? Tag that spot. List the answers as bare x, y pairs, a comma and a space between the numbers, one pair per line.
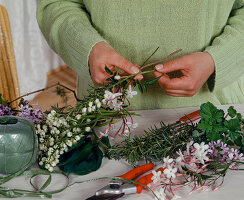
18, 144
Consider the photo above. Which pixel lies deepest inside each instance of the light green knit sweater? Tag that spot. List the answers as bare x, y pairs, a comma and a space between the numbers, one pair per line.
135, 28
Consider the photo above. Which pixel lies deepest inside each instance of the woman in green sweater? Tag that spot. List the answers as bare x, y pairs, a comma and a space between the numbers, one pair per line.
123, 33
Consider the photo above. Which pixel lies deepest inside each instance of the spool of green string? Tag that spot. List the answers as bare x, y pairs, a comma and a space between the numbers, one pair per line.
18, 144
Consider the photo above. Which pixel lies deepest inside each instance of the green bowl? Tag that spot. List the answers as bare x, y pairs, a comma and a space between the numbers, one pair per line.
18, 144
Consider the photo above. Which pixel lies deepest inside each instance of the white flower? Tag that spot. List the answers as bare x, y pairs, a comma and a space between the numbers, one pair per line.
176, 197
69, 143
117, 77
201, 156
111, 96
97, 101
50, 169
41, 140
99, 105
77, 137
88, 120
90, 104
180, 154
78, 116
88, 129
156, 176
40, 163
53, 112
78, 130
89, 109
115, 104
188, 145
202, 147
131, 93
167, 161
69, 134
160, 194
170, 172
104, 101
93, 108
84, 110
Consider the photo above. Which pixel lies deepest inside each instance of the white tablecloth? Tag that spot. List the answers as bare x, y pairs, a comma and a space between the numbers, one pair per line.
232, 189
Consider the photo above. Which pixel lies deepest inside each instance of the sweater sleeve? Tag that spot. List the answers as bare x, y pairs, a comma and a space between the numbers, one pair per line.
67, 27
227, 50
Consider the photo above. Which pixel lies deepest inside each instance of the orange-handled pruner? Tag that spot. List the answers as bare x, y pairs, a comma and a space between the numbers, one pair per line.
118, 188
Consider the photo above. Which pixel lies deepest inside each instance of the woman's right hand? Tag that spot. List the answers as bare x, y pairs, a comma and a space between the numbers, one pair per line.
103, 54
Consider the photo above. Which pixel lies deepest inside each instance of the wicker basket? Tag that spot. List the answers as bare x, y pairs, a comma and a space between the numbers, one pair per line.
9, 83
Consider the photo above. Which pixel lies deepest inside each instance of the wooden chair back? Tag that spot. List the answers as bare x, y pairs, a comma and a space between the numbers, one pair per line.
9, 83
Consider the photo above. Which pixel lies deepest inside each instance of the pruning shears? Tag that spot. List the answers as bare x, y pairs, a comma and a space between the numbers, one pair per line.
120, 187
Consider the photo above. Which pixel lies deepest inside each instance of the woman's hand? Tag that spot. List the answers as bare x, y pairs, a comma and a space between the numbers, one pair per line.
196, 69
103, 54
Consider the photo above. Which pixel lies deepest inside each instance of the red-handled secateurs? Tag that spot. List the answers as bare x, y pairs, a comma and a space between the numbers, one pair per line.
118, 188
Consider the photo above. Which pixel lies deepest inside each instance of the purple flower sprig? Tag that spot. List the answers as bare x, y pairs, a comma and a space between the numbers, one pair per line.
5, 110
25, 110
220, 152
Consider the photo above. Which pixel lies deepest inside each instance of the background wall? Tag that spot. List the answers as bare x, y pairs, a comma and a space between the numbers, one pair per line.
33, 56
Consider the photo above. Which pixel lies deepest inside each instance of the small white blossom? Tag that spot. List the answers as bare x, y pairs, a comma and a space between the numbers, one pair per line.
77, 137
69, 143
202, 147
131, 93
93, 108
84, 110
117, 77
88, 120
170, 172
78, 116
156, 176
167, 161
99, 105
88, 129
97, 101
89, 109
104, 101
160, 194
69, 134
90, 104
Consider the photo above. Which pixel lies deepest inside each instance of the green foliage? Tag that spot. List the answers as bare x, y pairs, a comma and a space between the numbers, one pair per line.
82, 159
3, 101
154, 145
217, 126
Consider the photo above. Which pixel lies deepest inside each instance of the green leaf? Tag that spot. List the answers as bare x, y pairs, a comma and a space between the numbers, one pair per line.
234, 135
233, 125
230, 143
213, 136
105, 141
140, 87
151, 82
108, 70
238, 141
232, 112
242, 141
209, 111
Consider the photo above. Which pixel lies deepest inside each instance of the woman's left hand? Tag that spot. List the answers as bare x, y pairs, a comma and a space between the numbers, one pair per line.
196, 69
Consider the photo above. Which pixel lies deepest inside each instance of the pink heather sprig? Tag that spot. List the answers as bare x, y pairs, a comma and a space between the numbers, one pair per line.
221, 153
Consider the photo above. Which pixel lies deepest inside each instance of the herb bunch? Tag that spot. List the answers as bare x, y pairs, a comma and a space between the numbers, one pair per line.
155, 144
